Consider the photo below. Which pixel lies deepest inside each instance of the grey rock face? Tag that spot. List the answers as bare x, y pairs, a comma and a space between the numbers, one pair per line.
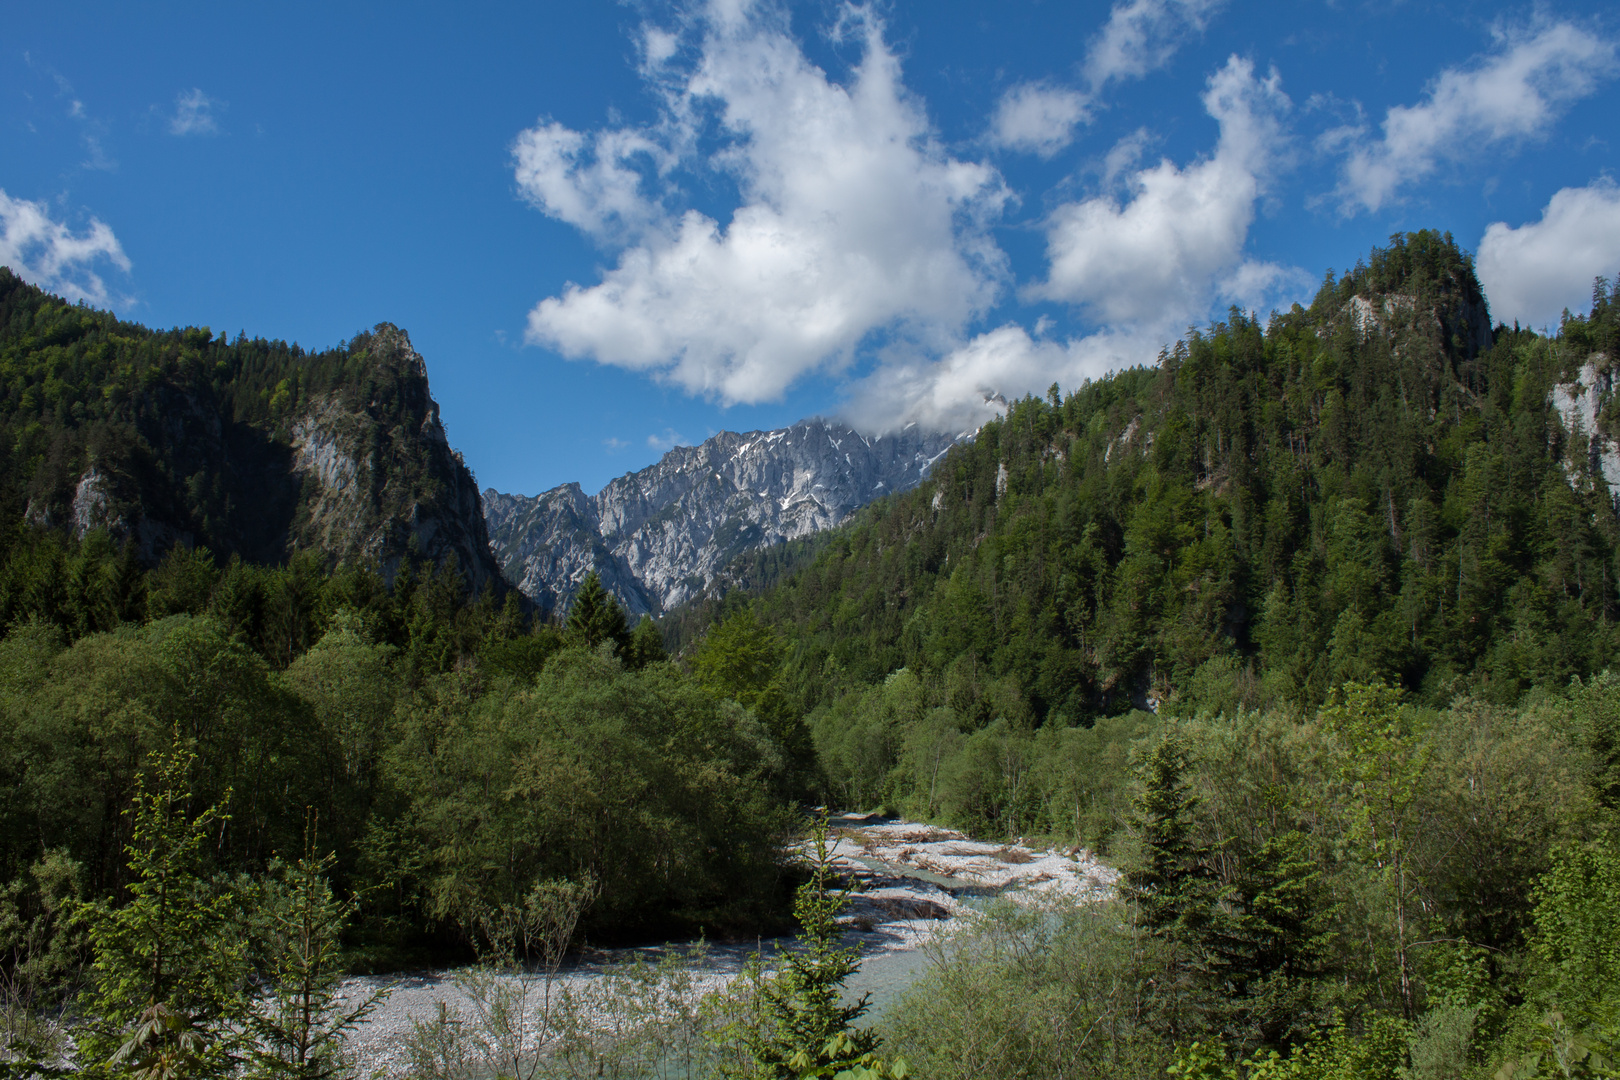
1583, 406
658, 536
379, 479
361, 473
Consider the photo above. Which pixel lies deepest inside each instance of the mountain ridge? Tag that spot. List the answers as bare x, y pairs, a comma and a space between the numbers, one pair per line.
252, 448
659, 535
1377, 487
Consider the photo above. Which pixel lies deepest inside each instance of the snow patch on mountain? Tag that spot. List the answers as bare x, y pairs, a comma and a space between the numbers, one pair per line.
658, 537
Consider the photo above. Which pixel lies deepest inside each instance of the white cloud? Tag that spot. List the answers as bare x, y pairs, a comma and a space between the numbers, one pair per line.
52, 256
614, 445
1037, 119
1264, 286
854, 220
1160, 256
856, 227
1515, 93
1141, 36
194, 114
587, 180
1144, 269
971, 384
1532, 273
666, 440
1124, 155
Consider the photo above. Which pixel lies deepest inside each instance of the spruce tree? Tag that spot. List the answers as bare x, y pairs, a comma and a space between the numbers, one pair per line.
799, 1027
646, 644
171, 965
1169, 882
596, 617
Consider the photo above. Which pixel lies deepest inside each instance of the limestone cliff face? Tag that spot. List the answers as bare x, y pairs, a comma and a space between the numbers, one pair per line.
658, 536
378, 479
1584, 407
1460, 324
361, 472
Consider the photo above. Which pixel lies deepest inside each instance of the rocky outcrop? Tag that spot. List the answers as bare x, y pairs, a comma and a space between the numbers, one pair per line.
1459, 322
659, 536
378, 478
361, 472
1582, 406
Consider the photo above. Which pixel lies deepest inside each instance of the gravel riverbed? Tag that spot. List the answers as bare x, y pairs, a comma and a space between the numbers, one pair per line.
912, 881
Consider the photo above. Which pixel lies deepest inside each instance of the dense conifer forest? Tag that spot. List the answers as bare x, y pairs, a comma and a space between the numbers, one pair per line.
1378, 486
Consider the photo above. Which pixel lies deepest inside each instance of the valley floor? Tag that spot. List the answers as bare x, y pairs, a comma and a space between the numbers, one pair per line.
911, 882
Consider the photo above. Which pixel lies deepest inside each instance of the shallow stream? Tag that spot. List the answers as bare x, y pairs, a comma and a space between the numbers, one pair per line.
912, 879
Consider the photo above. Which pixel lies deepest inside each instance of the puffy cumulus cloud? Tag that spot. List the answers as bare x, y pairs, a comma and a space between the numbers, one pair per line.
194, 114
1514, 93
853, 219
1143, 269
588, 181
1264, 286
1533, 272
1162, 255
1037, 119
1141, 36
972, 383
53, 256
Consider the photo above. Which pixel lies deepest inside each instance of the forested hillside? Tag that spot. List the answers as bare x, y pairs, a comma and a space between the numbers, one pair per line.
247, 447
1374, 487
1308, 629
248, 616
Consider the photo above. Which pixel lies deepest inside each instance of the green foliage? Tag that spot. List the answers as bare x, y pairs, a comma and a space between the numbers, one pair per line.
646, 644
636, 779
41, 961
1577, 942
596, 618
1383, 765
1069, 990
739, 659
1169, 880
298, 1018
1560, 1052
452, 748
1333, 1052
169, 967
797, 1025
1276, 508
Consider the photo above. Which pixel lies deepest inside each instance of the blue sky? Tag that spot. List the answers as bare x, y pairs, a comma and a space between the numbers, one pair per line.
612, 227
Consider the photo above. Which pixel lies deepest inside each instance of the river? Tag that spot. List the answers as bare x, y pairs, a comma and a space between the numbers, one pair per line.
912, 880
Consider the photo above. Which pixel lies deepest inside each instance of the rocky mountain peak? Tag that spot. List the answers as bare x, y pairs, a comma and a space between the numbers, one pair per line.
657, 537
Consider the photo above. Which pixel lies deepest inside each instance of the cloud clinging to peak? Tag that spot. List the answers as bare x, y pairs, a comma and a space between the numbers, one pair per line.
47, 253
1514, 93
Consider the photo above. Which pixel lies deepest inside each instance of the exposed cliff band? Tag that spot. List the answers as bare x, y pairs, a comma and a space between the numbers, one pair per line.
657, 537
